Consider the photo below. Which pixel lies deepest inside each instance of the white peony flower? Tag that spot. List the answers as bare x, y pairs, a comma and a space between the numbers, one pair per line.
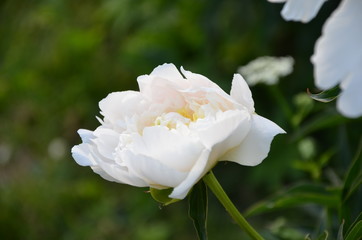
337, 55
174, 130
266, 70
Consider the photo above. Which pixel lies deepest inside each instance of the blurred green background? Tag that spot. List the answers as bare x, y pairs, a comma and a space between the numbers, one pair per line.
58, 59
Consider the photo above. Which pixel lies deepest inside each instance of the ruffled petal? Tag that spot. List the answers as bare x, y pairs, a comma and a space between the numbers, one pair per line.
241, 93
256, 145
301, 10
338, 51
159, 88
120, 105
106, 142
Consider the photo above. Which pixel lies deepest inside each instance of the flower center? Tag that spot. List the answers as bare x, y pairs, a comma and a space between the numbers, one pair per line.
183, 116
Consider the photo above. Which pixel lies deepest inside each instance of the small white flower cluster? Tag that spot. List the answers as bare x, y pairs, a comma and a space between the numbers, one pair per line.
266, 70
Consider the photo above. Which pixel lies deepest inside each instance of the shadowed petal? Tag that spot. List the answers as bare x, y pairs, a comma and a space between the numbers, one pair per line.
349, 103
338, 51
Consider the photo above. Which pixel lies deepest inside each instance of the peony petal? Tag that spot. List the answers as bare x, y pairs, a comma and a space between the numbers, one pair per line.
213, 131
119, 105
301, 10
241, 93
103, 174
202, 166
167, 71
82, 156
85, 135
106, 141
338, 51
169, 147
152, 171
256, 145
162, 92
119, 174
200, 83
349, 103
198, 80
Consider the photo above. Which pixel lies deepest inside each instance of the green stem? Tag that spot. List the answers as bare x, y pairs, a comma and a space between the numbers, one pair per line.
219, 192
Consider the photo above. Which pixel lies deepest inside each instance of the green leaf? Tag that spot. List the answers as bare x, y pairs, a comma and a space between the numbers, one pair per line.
359, 218
352, 183
198, 209
356, 232
325, 96
161, 196
298, 195
354, 175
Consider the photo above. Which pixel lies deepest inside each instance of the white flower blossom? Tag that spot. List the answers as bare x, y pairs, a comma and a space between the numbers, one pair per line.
174, 130
266, 70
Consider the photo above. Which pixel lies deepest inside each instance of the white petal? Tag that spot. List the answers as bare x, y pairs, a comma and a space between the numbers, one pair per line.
202, 166
213, 131
103, 174
169, 147
338, 51
277, 1
106, 142
81, 154
198, 80
167, 71
256, 145
240, 92
349, 103
301, 10
118, 105
119, 174
200, 83
85, 135
153, 171
160, 90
